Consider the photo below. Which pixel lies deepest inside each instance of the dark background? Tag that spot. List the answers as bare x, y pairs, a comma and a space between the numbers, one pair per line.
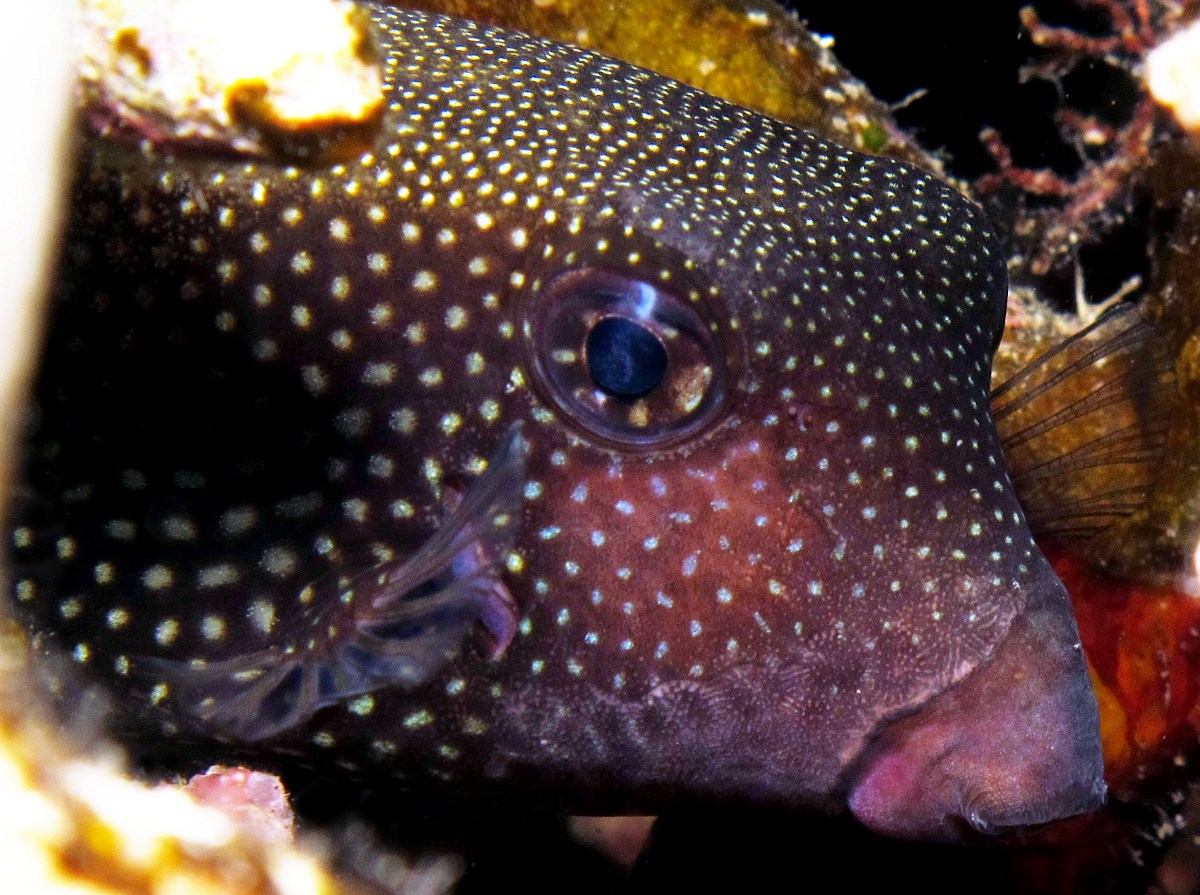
968, 56
968, 59
965, 55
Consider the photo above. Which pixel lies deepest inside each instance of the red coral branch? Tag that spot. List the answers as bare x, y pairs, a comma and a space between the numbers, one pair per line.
1097, 197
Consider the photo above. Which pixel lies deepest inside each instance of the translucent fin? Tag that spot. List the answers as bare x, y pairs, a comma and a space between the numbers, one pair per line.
1085, 425
395, 625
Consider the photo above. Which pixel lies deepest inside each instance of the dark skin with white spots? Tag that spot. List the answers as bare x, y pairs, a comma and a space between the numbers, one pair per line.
785, 567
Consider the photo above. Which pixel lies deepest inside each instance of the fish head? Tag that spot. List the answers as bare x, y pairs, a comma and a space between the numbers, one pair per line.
790, 507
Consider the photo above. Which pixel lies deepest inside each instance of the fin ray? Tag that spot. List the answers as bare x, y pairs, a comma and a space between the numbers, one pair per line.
1084, 426
395, 625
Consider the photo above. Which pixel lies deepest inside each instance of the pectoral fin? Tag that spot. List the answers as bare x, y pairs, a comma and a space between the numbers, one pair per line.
394, 625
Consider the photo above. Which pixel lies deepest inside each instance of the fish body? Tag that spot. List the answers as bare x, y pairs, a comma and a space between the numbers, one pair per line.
590, 436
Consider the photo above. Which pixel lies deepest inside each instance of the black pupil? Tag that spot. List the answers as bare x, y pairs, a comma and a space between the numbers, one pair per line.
625, 359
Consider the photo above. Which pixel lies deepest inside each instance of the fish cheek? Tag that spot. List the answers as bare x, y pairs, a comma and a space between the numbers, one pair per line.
678, 601
818, 575
779, 699
643, 587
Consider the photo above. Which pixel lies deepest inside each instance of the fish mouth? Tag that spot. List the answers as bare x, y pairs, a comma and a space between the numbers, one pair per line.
980, 818
1014, 745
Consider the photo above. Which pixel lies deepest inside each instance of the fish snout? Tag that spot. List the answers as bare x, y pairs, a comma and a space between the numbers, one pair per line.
1014, 744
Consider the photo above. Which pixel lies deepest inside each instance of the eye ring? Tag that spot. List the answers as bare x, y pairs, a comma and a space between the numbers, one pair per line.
628, 363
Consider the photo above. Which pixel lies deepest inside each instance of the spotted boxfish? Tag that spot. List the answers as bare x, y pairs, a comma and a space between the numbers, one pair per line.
588, 436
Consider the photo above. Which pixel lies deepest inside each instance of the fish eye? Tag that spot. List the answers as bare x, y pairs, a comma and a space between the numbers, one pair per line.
629, 363
625, 359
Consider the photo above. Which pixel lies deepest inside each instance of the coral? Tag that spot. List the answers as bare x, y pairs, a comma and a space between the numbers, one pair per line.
1114, 157
268, 78
73, 823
